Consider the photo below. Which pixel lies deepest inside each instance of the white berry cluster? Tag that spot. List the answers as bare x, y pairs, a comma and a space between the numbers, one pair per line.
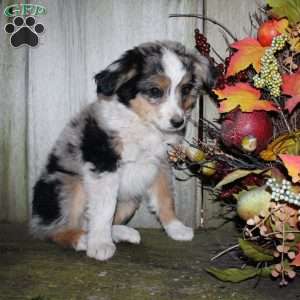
269, 76
283, 192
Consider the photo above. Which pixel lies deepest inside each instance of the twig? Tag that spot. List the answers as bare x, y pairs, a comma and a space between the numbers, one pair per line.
206, 19
282, 115
224, 252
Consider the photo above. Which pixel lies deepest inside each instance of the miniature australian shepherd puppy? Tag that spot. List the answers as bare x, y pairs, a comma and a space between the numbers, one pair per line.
114, 152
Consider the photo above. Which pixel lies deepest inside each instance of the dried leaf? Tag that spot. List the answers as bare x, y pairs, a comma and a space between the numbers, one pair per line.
275, 274
250, 52
290, 86
276, 254
255, 252
295, 46
292, 163
291, 255
278, 267
290, 236
291, 274
281, 248
244, 96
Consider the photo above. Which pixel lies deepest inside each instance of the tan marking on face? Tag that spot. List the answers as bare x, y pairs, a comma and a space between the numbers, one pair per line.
161, 81
188, 102
143, 108
166, 207
124, 211
67, 238
78, 198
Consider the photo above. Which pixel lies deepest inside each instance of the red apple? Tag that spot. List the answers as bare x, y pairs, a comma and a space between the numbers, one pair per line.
237, 126
269, 29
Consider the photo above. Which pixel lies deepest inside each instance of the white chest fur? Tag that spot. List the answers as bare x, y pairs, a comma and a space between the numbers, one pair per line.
143, 148
140, 164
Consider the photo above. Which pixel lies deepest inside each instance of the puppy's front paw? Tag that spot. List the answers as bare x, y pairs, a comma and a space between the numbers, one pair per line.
101, 251
179, 232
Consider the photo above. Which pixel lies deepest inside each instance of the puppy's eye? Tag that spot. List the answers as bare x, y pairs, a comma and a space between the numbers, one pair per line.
155, 92
185, 90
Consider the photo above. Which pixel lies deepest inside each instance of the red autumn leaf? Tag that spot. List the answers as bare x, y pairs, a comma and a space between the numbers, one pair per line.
291, 87
292, 163
250, 52
244, 96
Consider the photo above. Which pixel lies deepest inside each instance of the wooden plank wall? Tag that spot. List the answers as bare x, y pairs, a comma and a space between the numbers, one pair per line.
234, 14
13, 124
42, 87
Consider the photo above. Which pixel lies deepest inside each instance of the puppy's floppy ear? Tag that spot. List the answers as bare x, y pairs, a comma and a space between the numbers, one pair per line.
119, 72
206, 72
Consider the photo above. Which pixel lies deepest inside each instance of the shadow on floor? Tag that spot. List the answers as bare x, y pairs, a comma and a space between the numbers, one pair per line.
159, 268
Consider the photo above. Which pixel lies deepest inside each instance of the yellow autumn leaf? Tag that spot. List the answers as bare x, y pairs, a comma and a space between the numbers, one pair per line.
284, 144
244, 96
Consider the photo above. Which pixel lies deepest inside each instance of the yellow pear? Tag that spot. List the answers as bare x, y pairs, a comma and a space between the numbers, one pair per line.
253, 202
194, 154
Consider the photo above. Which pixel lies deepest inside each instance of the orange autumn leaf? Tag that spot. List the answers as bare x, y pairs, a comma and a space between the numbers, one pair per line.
250, 52
292, 163
291, 87
296, 261
244, 96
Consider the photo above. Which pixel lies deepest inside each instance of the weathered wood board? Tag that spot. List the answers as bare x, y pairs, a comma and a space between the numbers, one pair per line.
42, 87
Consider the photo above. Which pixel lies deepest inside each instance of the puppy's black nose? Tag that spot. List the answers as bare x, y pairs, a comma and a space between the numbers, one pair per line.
177, 121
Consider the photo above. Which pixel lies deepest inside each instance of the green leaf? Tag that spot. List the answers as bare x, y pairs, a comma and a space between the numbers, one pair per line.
286, 8
255, 252
265, 272
233, 274
237, 174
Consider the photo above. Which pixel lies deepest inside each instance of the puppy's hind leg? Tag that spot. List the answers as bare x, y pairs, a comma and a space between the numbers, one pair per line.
102, 192
123, 233
162, 203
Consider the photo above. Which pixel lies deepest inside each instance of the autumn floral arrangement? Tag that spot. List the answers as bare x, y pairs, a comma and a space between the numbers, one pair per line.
251, 155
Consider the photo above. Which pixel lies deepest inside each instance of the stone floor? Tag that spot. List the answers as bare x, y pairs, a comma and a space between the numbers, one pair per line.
158, 268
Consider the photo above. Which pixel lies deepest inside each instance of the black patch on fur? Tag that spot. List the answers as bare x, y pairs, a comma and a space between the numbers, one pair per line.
97, 148
74, 123
128, 90
213, 74
53, 166
46, 200
107, 81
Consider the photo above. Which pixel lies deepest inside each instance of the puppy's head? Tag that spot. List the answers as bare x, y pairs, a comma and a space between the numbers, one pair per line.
159, 81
